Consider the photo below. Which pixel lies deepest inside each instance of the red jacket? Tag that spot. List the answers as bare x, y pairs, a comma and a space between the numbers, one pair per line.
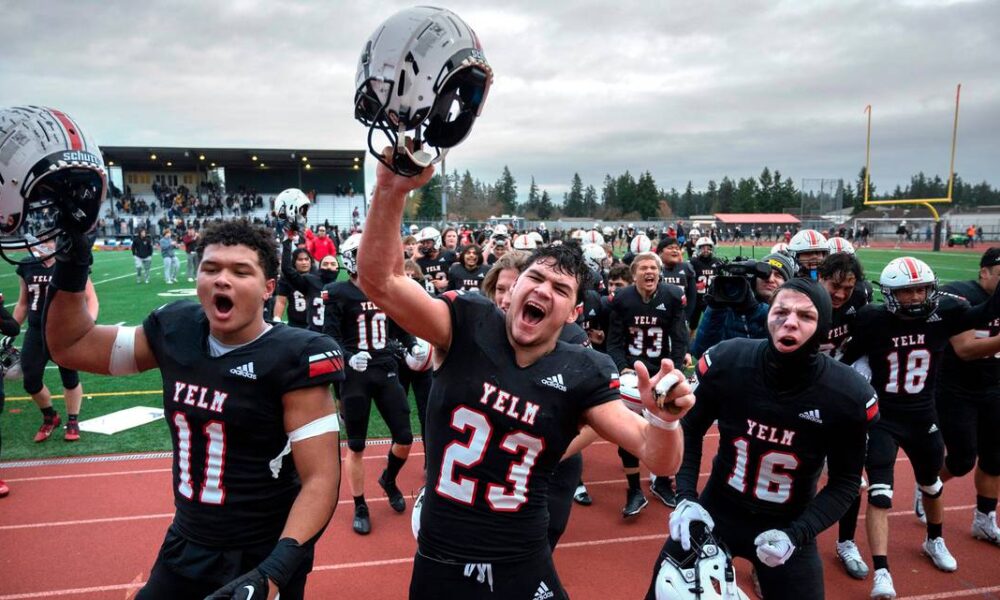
320, 247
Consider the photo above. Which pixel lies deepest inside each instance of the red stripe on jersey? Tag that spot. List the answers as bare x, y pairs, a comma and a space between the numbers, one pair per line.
450, 296
872, 411
912, 268
615, 384
324, 366
702, 365
76, 142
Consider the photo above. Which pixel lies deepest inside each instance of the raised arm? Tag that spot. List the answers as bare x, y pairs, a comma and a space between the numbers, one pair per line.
380, 262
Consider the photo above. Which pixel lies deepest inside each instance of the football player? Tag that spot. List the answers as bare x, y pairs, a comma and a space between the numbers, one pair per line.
903, 341
10, 328
433, 260
808, 248
293, 300
705, 265
490, 451
239, 395
783, 408
968, 401
647, 324
418, 381
34, 280
678, 272
467, 273
310, 285
369, 340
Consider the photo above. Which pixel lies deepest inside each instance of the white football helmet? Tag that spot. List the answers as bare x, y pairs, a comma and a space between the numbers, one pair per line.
780, 248
349, 253
694, 233
704, 241
594, 256
608, 231
525, 242
292, 205
807, 240
908, 272
423, 71
500, 229
839, 244
640, 243
46, 161
430, 233
418, 507
629, 390
539, 240
592, 237
705, 572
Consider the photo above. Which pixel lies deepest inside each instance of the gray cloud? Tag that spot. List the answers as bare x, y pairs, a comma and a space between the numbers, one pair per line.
686, 90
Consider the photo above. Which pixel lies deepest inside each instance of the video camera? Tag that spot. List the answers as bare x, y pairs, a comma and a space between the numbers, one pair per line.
731, 288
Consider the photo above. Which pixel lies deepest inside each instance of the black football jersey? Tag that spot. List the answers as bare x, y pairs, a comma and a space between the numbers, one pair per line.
705, 271
840, 324
574, 334
905, 354
36, 278
974, 375
309, 285
437, 268
773, 445
594, 315
359, 325
682, 275
495, 432
226, 421
296, 308
647, 331
460, 278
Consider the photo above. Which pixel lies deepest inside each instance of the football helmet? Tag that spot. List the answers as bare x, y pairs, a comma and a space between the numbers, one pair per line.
629, 390
807, 240
430, 233
423, 71
10, 360
594, 256
539, 240
418, 507
704, 241
908, 272
500, 229
694, 233
591, 237
780, 248
640, 243
293, 206
525, 242
608, 231
349, 253
839, 244
46, 162
704, 572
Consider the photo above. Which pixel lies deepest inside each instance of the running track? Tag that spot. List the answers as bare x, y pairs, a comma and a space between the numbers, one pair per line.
91, 531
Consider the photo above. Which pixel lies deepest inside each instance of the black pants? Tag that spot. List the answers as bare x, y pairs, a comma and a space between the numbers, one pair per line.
529, 579
420, 383
968, 423
917, 434
380, 384
34, 357
185, 570
562, 486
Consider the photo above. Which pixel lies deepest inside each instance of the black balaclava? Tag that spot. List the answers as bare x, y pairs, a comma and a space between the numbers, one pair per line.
328, 275
792, 371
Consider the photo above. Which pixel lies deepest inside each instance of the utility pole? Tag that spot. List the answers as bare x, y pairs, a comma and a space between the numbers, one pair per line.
444, 193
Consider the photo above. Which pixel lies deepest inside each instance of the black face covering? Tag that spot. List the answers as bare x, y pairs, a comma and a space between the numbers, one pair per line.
328, 275
792, 371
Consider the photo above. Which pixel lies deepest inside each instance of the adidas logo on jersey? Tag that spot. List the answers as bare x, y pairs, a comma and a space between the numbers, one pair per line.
933, 428
661, 307
556, 381
933, 318
244, 371
543, 592
811, 415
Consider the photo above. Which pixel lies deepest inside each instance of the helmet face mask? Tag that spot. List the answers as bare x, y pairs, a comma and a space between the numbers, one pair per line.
349, 253
292, 205
704, 572
422, 70
50, 168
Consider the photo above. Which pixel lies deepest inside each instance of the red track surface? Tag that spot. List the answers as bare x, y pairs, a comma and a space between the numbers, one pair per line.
91, 531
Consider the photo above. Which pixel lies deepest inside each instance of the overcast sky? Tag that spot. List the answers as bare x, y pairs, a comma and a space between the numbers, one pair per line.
689, 90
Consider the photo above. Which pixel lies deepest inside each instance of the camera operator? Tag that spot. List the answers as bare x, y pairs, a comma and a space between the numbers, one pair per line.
738, 300
498, 245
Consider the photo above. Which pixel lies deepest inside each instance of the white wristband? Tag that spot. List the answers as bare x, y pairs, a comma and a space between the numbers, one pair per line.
659, 423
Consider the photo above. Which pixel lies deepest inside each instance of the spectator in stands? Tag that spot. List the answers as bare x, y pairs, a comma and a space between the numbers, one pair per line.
142, 252
190, 240
321, 245
168, 250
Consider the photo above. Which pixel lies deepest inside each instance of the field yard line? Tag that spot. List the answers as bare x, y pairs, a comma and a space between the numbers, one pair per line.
96, 394
160, 268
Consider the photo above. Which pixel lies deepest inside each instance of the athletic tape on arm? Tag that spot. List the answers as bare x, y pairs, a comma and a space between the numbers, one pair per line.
123, 353
327, 424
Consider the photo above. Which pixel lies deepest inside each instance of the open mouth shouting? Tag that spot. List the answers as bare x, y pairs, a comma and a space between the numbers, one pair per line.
532, 313
788, 342
223, 305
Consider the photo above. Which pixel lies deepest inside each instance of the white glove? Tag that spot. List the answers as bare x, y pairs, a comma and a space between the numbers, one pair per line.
688, 512
418, 352
774, 547
359, 362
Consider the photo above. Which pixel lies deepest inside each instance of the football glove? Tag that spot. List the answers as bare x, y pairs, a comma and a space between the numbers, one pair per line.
774, 547
359, 362
73, 261
418, 352
686, 513
248, 586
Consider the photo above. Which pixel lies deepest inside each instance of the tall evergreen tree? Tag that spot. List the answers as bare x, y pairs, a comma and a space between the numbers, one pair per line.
589, 201
647, 199
545, 208
506, 192
573, 200
429, 208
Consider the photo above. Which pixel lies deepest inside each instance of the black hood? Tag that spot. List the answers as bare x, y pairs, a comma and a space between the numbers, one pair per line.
792, 371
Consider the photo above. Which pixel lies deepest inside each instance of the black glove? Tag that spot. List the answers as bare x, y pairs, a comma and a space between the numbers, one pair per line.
248, 586
74, 256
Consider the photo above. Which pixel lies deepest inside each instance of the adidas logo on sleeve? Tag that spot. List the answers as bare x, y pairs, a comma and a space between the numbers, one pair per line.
244, 371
